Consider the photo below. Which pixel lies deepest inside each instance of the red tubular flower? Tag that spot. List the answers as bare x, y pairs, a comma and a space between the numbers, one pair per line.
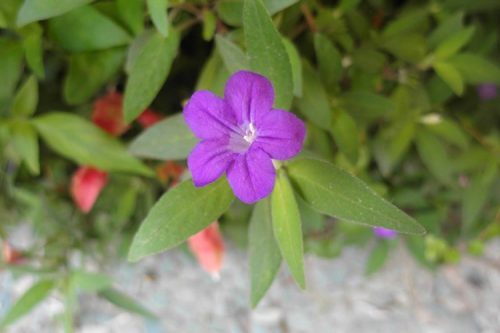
108, 114
149, 118
208, 248
86, 185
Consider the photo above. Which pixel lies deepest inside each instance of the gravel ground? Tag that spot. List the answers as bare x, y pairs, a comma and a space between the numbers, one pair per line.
402, 297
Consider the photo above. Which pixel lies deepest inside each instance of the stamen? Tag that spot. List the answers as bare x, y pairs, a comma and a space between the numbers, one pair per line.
250, 134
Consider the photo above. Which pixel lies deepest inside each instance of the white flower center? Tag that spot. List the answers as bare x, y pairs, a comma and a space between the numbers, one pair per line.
250, 134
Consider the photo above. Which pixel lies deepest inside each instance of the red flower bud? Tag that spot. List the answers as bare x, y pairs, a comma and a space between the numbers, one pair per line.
208, 248
86, 184
108, 114
149, 118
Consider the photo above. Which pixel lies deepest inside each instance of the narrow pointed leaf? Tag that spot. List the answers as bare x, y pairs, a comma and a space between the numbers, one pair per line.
26, 99
337, 193
148, 73
170, 139
25, 140
266, 52
179, 214
125, 302
37, 293
85, 143
234, 58
35, 10
287, 227
158, 12
264, 253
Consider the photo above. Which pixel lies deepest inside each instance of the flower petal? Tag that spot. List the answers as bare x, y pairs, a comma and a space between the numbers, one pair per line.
281, 134
86, 185
208, 117
249, 95
208, 160
252, 175
108, 114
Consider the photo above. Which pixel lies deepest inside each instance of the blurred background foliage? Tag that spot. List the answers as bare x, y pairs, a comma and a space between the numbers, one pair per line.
400, 93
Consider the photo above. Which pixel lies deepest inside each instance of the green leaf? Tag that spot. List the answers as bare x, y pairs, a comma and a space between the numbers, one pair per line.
407, 22
86, 144
329, 60
449, 131
336, 193
449, 74
378, 256
209, 25
408, 47
169, 139
266, 52
25, 141
392, 144
87, 29
148, 73
26, 99
287, 226
230, 11
89, 282
33, 48
475, 69
132, 14
314, 104
264, 253
89, 71
446, 28
125, 302
179, 214
36, 10
296, 63
234, 58
37, 293
213, 76
366, 105
345, 133
347, 5
11, 58
454, 43
434, 156
158, 12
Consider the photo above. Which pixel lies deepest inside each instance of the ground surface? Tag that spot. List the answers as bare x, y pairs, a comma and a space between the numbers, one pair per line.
401, 298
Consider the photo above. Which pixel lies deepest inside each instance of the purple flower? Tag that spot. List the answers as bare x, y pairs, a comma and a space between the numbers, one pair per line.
240, 135
487, 91
384, 233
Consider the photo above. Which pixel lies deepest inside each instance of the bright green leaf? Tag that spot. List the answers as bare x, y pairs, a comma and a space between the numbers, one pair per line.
125, 302
85, 143
449, 74
132, 14
449, 131
33, 48
234, 58
287, 226
266, 51
11, 58
454, 43
148, 73
89, 71
263, 252
434, 156
209, 25
314, 104
345, 133
87, 29
158, 12
169, 139
26, 99
378, 256
446, 28
296, 63
179, 214
89, 282
329, 60
475, 69
336, 193
36, 10
37, 293
25, 140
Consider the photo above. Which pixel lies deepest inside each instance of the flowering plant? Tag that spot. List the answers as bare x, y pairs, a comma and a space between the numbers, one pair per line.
130, 127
